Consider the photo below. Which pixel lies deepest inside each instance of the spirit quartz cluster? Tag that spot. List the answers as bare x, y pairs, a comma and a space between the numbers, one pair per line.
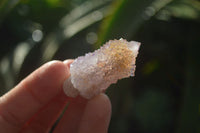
93, 73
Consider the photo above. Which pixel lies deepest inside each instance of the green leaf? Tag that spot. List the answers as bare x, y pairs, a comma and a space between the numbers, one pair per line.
186, 9
127, 18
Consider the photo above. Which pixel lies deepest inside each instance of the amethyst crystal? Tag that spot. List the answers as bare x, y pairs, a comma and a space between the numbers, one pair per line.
93, 73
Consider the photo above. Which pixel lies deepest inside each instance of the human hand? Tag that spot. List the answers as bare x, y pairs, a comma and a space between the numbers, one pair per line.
34, 105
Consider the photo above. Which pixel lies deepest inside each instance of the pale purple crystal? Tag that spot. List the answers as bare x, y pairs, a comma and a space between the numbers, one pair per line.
93, 73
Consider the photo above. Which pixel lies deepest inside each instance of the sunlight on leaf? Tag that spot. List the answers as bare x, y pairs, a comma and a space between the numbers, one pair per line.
187, 9
130, 15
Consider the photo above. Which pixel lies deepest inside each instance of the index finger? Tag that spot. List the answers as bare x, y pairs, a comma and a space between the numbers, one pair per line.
22, 102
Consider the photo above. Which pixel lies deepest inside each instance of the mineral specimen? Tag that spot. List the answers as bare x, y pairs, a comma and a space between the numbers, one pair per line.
93, 73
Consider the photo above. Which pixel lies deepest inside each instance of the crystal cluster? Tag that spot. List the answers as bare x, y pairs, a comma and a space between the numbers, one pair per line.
93, 73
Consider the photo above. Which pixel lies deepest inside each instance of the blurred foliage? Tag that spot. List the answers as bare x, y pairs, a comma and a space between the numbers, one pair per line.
165, 93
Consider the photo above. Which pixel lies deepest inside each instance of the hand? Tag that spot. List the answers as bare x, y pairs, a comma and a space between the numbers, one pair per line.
34, 105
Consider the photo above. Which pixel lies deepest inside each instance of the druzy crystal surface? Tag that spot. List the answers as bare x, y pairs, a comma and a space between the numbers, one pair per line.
93, 73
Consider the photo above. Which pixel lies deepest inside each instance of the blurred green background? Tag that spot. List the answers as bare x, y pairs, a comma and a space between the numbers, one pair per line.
163, 97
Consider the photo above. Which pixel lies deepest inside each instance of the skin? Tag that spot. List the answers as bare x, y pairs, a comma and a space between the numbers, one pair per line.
34, 105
